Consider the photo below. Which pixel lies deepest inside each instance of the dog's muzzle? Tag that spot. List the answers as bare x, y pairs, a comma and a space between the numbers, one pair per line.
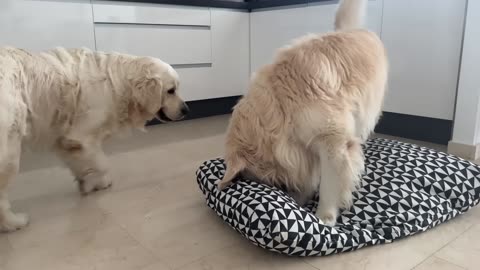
162, 117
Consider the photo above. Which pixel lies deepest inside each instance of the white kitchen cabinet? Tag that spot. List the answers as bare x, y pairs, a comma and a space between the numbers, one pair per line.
272, 29
178, 35
423, 41
228, 74
374, 16
275, 28
196, 82
321, 16
209, 48
43, 24
146, 13
173, 44
215, 50
230, 52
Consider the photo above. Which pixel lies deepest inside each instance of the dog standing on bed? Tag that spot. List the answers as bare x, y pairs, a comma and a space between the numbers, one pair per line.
71, 101
303, 121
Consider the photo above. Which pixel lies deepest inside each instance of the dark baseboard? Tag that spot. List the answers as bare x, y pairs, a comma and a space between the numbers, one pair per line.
395, 124
415, 127
197, 3
275, 3
207, 107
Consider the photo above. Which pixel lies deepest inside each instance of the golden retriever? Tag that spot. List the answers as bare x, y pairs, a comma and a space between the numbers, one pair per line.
302, 123
71, 101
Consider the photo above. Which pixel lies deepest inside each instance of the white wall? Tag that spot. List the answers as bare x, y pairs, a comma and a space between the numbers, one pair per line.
467, 117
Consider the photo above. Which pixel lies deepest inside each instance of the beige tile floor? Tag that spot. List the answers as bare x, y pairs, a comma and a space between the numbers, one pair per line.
155, 218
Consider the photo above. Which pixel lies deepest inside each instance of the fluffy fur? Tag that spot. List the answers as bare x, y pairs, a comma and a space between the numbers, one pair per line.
301, 125
71, 101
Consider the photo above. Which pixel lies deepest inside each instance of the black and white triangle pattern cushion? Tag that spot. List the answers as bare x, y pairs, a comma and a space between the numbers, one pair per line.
406, 189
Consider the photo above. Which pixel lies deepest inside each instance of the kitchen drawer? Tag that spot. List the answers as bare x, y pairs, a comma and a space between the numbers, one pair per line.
41, 25
196, 82
172, 44
143, 13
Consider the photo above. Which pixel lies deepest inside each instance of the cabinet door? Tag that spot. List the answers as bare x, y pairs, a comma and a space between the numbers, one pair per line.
231, 51
321, 16
44, 24
272, 29
147, 13
228, 73
424, 40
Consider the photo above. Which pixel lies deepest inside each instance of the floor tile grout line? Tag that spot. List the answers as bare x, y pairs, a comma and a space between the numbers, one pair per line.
150, 249
146, 247
153, 253
433, 255
440, 248
309, 264
10, 247
429, 256
157, 259
459, 266
199, 259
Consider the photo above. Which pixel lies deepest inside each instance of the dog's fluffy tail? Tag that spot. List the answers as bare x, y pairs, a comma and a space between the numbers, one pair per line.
350, 14
235, 166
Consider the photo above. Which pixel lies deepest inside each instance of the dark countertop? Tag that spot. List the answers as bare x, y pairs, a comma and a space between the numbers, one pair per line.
257, 4
250, 5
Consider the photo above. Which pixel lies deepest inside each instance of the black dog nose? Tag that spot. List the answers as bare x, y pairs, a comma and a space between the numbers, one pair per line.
185, 110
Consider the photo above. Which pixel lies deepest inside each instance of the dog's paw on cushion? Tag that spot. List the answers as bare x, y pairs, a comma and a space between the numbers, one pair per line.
406, 189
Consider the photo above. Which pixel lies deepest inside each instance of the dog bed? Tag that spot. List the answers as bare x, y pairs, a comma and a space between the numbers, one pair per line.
406, 189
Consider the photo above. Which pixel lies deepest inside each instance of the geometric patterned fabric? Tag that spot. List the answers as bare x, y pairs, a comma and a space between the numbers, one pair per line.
406, 189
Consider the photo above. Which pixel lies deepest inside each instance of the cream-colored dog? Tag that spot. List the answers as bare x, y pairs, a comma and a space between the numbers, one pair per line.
303, 121
71, 101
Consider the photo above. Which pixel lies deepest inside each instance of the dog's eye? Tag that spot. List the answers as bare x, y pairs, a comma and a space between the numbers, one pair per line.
171, 91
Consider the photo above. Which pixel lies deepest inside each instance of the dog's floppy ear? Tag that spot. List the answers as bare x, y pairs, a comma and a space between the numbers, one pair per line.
145, 89
145, 98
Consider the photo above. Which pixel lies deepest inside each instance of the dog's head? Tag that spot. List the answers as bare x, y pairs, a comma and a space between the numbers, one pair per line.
155, 92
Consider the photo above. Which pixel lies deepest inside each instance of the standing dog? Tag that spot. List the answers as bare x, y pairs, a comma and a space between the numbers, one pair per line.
303, 121
71, 101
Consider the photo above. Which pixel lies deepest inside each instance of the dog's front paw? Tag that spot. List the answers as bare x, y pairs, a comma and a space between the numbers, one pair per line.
346, 200
327, 216
88, 185
13, 222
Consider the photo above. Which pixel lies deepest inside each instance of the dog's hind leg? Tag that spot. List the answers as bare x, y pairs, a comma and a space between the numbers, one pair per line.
341, 162
331, 135
9, 164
